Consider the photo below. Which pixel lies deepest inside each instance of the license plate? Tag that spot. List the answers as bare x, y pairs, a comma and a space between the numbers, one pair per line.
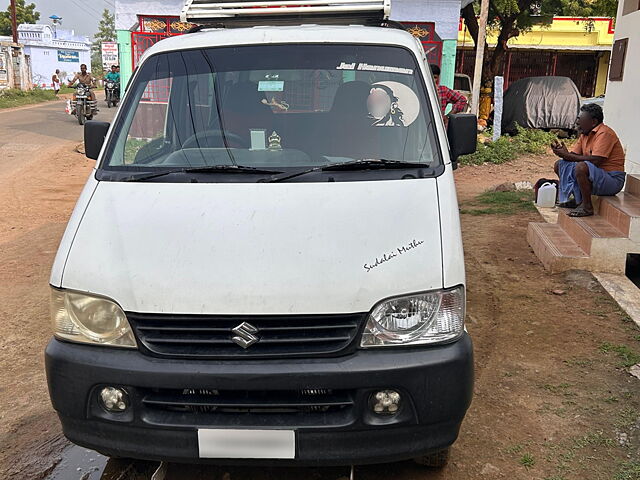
232, 443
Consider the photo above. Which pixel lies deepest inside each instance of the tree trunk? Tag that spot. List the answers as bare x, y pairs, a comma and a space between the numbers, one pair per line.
493, 59
471, 21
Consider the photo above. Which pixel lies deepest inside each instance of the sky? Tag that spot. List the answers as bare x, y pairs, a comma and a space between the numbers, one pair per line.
79, 15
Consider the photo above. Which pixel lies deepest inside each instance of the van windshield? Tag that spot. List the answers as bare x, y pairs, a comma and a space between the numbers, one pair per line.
274, 107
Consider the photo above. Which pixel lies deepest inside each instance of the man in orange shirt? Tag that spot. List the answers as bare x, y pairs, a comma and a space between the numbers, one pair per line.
594, 166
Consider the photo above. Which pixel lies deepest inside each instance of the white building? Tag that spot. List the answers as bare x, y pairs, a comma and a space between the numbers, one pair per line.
51, 49
622, 105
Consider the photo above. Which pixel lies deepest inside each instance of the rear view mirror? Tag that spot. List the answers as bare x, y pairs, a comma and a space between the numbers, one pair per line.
462, 134
94, 134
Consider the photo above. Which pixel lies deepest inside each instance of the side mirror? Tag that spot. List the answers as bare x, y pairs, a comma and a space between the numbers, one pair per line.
463, 137
94, 134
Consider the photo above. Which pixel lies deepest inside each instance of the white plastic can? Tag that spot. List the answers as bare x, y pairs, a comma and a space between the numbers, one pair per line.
546, 195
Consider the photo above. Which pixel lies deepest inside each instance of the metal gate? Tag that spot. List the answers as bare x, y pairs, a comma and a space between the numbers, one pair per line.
152, 29
580, 67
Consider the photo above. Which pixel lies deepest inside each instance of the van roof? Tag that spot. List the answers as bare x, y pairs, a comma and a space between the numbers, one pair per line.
296, 34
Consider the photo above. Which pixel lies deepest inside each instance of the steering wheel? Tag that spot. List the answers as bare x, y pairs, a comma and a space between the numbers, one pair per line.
205, 138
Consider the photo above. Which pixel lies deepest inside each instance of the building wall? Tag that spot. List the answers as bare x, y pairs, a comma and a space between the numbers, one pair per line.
127, 11
594, 34
44, 61
446, 15
42, 43
603, 70
622, 105
124, 54
6, 66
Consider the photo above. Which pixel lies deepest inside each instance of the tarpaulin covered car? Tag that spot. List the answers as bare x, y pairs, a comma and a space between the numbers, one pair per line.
541, 102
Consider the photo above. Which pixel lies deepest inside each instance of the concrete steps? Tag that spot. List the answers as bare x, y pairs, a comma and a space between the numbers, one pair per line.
599, 243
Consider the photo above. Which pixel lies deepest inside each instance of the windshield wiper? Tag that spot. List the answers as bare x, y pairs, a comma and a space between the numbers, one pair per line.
364, 164
203, 169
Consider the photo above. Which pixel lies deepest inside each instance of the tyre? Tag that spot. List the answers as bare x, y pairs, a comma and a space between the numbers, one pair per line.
80, 113
434, 460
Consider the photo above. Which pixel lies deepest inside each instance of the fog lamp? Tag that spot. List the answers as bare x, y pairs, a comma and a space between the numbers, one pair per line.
385, 402
114, 399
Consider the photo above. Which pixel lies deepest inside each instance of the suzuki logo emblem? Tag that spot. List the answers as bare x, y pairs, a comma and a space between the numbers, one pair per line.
245, 335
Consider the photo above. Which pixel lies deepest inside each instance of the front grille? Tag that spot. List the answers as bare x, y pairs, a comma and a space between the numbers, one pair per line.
221, 402
206, 336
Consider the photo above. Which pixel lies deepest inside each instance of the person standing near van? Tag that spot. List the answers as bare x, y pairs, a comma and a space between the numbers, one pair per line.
447, 96
55, 81
595, 166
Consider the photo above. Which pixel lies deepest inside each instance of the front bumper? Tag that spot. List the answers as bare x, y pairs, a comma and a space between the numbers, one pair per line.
436, 385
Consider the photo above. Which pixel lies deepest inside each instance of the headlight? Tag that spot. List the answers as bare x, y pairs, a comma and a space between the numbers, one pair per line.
433, 317
80, 91
86, 318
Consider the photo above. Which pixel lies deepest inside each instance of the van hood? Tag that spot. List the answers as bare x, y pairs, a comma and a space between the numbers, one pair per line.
257, 248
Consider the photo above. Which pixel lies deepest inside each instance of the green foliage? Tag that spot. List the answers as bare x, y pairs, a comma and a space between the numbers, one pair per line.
627, 356
500, 203
506, 148
15, 98
628, 471
24, 14
519, 16
131, 148
527, 460
595, 8
106, 33
500, 151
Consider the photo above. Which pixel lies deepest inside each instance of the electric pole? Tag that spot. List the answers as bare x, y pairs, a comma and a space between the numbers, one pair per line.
14, 22
477, 71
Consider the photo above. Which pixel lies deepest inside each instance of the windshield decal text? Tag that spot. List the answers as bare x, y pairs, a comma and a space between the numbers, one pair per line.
401, 250
373, 68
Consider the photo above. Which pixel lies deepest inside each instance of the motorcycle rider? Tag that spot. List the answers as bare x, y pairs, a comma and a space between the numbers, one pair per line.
114, 77
87, 79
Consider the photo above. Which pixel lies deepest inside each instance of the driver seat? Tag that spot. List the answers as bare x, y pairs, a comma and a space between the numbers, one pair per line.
243, 110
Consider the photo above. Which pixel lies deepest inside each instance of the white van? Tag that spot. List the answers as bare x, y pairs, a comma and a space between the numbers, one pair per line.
266, 264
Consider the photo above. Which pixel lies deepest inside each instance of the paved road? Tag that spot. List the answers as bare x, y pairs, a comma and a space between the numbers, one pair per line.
24, 131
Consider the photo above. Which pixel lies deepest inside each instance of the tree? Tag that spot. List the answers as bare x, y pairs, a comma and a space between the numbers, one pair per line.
24, 14
510, 18
106, 33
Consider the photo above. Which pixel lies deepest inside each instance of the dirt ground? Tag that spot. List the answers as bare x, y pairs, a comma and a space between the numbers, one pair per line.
552, 398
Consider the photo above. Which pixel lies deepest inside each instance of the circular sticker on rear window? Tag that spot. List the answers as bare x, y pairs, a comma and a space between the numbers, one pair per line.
392, 104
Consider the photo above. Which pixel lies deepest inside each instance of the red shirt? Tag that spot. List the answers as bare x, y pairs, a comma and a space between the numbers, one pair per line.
448, 96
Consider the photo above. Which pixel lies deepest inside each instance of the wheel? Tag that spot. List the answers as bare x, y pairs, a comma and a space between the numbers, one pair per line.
434, 460
80, 114
108, 103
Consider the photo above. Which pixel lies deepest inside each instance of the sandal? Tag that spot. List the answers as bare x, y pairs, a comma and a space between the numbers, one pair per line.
580, 212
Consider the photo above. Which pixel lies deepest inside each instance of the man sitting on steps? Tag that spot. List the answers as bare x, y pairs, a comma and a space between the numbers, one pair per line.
594, 166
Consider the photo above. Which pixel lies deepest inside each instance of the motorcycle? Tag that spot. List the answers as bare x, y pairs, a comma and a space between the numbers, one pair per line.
112, 93
83, 106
